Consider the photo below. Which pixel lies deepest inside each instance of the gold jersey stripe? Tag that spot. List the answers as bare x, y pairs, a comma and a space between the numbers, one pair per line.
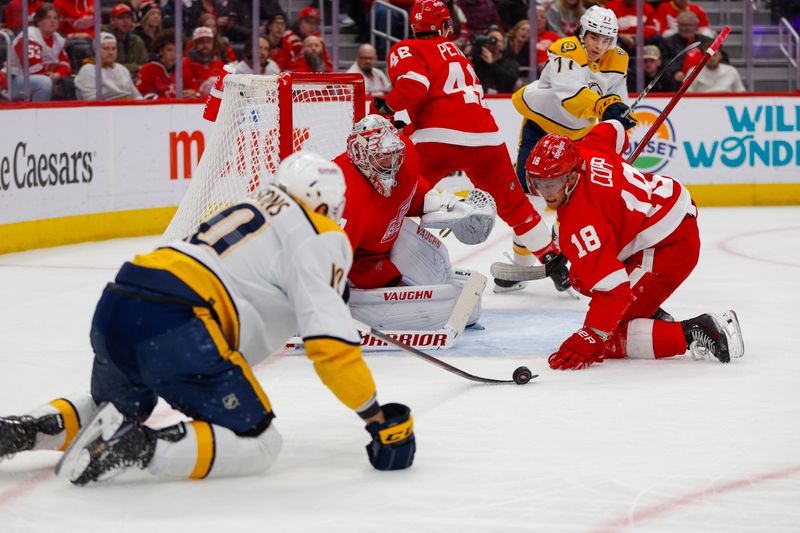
521, 250
205, 449
233, 356
71, 422
202, 280
342, 369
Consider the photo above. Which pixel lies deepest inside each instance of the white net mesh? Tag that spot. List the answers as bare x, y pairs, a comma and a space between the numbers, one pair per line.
245, 148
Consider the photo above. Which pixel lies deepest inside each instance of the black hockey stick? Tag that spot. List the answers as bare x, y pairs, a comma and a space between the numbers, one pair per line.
521, 375
661, 73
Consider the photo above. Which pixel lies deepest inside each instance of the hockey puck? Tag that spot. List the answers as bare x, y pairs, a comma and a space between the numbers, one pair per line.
522, 375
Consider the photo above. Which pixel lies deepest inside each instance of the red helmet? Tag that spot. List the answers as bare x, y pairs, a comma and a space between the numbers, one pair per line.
553, 157
427, 16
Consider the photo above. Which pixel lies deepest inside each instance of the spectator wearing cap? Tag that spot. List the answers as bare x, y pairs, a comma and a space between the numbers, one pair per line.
652, 65
116, 79
376, 83
13, 13
77, 18
201, 66
625, 10
312, 59
131, 50
307, 25
266, 65
717, 77
280, 50
48, 61
150, 23
222, 48
156, 78
667, 17
481, 14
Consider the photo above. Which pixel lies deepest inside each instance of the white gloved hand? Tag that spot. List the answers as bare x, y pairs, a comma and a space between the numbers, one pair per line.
470, 219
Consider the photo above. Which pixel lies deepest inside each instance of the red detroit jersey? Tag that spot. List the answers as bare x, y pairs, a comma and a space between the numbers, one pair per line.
372, 221
437, 85
614, 212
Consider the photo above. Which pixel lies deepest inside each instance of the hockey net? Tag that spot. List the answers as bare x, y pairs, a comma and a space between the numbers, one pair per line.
261, 120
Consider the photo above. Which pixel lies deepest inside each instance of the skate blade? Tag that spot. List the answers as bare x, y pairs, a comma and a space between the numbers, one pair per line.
730, 325
105, 423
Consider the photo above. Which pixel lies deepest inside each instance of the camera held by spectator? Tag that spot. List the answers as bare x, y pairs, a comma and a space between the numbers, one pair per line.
479, 42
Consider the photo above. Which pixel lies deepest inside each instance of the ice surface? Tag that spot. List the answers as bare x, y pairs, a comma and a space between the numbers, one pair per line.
673, 445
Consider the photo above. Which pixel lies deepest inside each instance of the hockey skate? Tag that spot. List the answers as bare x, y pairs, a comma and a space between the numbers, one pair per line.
18, 433
717, 335
109, 444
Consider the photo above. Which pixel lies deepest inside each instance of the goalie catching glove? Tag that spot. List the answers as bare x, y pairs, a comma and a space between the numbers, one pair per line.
471, 219
393, 444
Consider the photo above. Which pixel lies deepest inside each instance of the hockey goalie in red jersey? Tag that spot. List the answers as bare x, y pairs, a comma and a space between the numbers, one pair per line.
384, 186
454, 130
632, 239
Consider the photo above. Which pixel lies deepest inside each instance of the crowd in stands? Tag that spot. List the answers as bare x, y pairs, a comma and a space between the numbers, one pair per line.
495, 34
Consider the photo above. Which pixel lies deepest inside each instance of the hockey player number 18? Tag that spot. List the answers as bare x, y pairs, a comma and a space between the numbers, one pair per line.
457, 83
591, 241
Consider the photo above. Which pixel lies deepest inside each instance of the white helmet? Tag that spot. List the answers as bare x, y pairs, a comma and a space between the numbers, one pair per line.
376, 149
600, 20
313, 180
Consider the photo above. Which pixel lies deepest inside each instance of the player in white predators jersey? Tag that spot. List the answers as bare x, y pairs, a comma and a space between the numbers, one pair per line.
187, 322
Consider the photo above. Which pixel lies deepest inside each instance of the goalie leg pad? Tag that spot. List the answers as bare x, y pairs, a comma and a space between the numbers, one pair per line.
420, 256
418, 307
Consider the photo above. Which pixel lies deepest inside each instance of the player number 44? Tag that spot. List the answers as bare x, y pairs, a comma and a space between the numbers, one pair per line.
457, 83
588, 242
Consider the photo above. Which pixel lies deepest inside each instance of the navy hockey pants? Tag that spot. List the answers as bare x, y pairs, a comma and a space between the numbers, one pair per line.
530, 135
145, 349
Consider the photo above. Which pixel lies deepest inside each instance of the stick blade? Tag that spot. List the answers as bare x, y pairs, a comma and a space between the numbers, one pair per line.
513, 272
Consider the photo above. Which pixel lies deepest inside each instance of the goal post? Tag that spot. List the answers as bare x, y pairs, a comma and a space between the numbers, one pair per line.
261, 121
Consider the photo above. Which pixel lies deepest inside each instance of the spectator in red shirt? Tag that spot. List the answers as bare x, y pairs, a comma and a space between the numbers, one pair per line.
667, 16
312, 59
201, 66
480, 15
307, 25
280, 49
157, 77
13, 13
625, 10
47, 60
687, 34
77, 18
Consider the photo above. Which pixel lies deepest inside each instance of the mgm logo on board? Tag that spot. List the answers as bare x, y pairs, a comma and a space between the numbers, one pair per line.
661, 148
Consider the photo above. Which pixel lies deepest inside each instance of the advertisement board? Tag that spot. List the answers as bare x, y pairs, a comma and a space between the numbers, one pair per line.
72, 173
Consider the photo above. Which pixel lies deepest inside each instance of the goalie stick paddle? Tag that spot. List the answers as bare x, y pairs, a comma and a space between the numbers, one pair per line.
712, 49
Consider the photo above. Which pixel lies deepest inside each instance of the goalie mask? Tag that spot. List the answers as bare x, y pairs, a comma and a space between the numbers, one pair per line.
376, 149
315, 181
599, 20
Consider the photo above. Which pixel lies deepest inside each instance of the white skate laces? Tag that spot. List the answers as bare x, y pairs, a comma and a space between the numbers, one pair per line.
724, 342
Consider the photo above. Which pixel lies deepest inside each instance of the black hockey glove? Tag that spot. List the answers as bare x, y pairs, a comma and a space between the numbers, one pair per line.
556, 268
382, 107
393, 445
620, 112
